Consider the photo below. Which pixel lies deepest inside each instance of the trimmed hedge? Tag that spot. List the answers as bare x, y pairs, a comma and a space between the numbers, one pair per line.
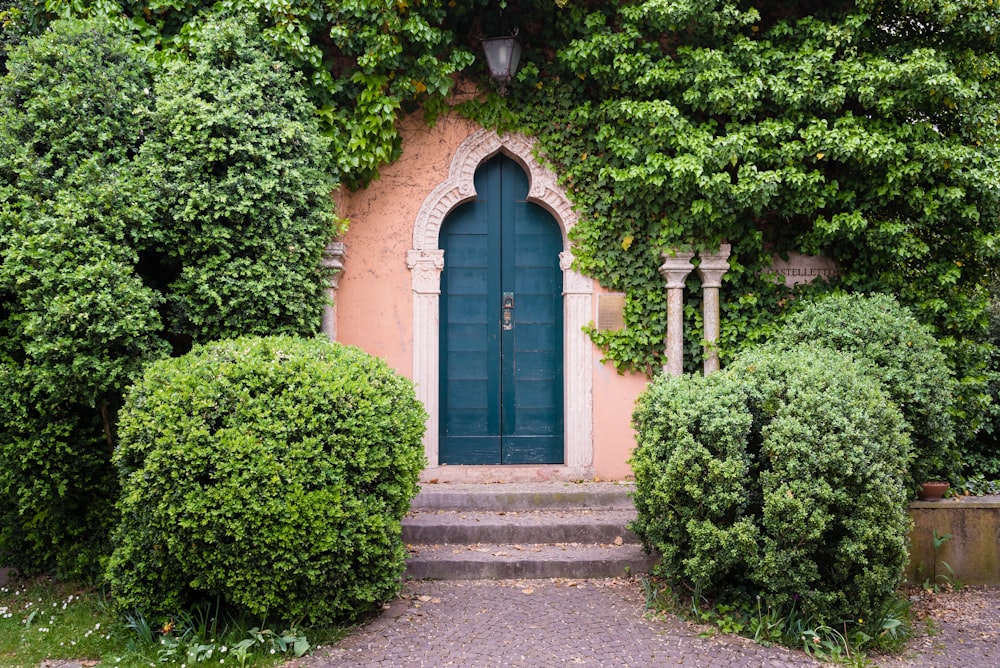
876, 331
780, 476
271, 473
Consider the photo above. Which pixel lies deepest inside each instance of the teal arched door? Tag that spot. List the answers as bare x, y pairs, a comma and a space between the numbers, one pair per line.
501, 374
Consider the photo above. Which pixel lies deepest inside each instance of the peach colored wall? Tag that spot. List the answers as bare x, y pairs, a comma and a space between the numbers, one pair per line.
614, 401
374, 297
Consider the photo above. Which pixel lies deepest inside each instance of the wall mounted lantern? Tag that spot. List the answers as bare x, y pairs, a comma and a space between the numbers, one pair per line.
503, 54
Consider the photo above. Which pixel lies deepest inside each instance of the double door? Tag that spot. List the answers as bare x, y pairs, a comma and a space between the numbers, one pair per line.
501, 351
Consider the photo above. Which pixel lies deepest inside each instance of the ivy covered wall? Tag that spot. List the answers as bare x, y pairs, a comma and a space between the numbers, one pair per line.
861, 129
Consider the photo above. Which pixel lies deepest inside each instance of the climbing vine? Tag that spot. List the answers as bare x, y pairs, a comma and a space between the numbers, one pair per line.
864, 131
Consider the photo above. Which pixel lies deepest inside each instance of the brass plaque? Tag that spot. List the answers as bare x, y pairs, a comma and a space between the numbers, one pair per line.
610, 312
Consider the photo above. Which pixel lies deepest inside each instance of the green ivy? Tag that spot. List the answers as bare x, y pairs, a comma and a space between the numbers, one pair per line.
834, 128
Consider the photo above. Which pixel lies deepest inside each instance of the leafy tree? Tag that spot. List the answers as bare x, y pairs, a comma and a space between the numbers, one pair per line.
364, 62
239, 180
118, 239
76, 321
11, 28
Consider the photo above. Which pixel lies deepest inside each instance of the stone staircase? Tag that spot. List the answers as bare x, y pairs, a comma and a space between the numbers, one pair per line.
522, 530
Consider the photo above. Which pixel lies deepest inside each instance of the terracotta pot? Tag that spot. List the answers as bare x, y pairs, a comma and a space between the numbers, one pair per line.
933, 490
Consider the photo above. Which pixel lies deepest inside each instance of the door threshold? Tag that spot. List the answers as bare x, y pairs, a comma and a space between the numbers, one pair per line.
507, 473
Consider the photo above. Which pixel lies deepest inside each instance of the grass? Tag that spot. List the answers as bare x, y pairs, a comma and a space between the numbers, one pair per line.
43, 619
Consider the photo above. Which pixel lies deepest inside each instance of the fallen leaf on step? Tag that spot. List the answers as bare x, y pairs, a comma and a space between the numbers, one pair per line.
499, 554
529, 590
425, 599
619, 540
435, 600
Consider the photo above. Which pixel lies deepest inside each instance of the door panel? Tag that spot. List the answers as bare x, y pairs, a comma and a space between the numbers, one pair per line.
501, 385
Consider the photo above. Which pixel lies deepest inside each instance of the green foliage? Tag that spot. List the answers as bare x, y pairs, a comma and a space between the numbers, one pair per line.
130, 225
363, 62
862, 130
903, 354
239, 181
281, 468
11, 29
76, 321
981, 456
779, 476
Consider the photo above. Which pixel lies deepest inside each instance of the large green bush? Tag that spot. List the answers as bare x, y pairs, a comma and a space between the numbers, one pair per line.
271, 473
143, 207
76, 320
239, 178
780, 476
878, 332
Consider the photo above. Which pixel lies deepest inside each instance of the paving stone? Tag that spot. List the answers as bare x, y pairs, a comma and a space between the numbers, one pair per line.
536, 623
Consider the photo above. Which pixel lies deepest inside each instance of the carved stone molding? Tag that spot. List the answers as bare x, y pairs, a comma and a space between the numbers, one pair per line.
426, 267
333, 258
459, 187
426, 261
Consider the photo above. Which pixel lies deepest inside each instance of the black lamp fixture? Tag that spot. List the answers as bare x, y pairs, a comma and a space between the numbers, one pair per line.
503, 54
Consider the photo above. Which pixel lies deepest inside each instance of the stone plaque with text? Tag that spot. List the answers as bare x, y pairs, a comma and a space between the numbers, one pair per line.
801, 268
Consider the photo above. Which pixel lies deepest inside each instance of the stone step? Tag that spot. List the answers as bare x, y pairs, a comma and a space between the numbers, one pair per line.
524, 496
505, 561
456, 527
523, 530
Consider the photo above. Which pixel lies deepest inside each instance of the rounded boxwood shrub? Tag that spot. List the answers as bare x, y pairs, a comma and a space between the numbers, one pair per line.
268, 473
875, 330
780, 476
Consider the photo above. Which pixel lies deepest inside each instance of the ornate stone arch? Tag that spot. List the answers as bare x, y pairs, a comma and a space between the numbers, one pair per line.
426, 261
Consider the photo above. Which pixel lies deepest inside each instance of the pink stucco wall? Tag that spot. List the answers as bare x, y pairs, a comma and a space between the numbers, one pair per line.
374, 297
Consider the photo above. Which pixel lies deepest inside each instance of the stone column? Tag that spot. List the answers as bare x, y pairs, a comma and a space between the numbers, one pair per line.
333, 258
425, 279
674, 270
578, 380
711, 270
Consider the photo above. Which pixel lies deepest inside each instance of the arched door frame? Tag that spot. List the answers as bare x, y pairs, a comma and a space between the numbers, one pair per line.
426, 261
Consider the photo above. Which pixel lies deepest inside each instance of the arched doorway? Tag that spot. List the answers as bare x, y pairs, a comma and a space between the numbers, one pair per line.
426, 263
501, 353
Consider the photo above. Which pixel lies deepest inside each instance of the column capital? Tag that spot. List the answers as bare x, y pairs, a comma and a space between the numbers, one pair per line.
426, 267
676, 267
714, 266
333, 258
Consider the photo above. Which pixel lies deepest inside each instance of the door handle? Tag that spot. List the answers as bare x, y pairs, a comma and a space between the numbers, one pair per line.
508, 310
